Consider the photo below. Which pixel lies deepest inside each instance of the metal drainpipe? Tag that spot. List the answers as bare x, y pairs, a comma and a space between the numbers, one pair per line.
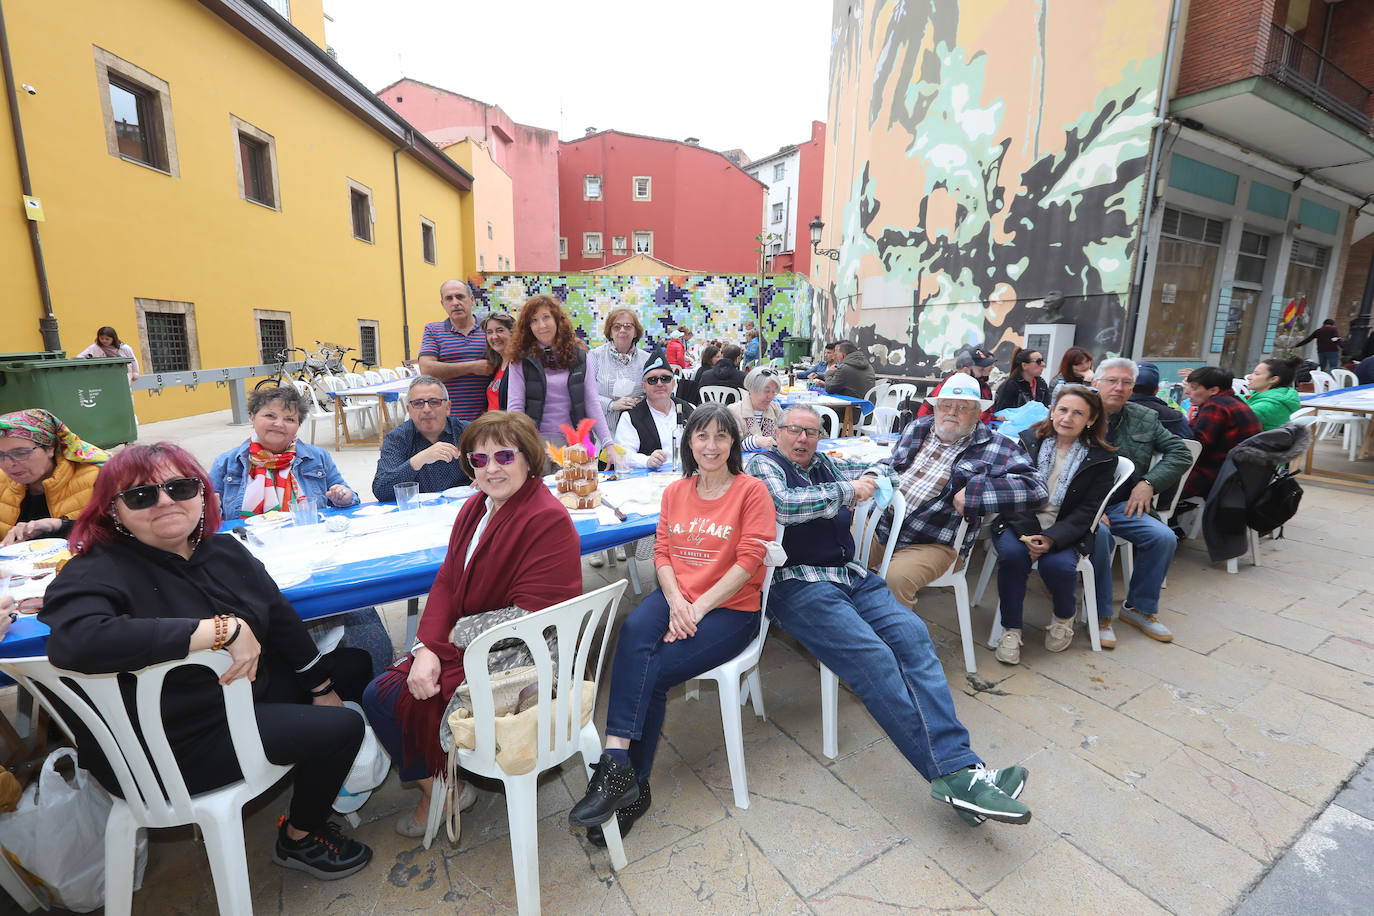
47, 325
401, 243
1151, 176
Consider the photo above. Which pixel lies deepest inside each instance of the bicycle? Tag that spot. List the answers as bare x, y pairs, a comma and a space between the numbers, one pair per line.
281, 377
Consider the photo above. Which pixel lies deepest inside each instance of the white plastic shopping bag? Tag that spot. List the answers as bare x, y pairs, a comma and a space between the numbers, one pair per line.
369, 769
58, 834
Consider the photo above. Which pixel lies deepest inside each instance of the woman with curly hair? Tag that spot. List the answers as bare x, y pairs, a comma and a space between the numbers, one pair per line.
552, 382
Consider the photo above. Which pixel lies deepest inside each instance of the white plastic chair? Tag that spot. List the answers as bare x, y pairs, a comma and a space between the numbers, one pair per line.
720, 393
373, 377
877, 394
155, 794
388, 375
727, 676
882, 422
896, 394
1124, 468
354, 380
314, 412
1322, 382
580, 626
363, 410
1240, 387
828, 416
1165, 513
1344, 378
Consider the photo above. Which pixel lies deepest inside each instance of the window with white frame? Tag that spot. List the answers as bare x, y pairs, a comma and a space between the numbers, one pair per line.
591, 243
643, 187
591, 187
563, 247
780, 171
777, 213
428, 250
618, 244
167, 334
644, 242
368, 347
256, 164
360, 210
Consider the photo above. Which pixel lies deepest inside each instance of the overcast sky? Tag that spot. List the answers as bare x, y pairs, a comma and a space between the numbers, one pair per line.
735, 73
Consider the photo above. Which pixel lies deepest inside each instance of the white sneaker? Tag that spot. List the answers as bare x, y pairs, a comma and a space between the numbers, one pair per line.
1146, 623
1009, 647
1105, 634
1059, 635
596, 561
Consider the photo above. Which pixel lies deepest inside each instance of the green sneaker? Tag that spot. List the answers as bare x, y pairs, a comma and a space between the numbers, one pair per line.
1011, 780
975, 790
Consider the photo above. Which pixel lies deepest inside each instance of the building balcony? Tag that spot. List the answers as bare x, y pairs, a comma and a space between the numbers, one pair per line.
1303, 69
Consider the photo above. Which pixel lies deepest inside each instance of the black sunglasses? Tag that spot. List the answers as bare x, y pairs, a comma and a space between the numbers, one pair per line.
146, 496
658, 379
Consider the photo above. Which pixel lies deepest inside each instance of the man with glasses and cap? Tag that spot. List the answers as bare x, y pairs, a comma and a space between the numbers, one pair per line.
646, 429
975, 363
950, 466
423, 449
849, 619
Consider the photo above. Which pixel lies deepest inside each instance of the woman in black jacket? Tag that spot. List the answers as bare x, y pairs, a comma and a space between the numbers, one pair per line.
1026, 382
152, 583
1076, 463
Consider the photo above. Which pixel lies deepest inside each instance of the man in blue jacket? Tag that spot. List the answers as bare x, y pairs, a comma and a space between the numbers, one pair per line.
423, 449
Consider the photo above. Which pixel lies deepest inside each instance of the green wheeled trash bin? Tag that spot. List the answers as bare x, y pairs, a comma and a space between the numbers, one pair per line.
91, 396
796, 350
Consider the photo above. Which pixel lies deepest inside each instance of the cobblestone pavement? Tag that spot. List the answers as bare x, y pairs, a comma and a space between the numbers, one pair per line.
1164, 778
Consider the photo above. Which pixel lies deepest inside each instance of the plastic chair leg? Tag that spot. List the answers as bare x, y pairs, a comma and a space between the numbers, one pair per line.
121, 835
1232, 566
753, 683
1254, 547
989, 562
692, 689
734, 741
228, 866
522, 812
634, 573
995, 635
830, 711
1085, 572
965, 624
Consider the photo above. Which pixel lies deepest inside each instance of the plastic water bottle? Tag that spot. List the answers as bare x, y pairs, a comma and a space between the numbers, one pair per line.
677, 449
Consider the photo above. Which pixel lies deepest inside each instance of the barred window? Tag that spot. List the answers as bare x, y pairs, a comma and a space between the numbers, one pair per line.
271, 338
168, 347
367, 344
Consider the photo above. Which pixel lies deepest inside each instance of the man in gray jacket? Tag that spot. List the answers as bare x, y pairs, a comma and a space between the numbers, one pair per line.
853, 376
1139, 436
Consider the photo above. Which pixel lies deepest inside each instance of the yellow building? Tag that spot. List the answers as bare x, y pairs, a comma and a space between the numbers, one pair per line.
213, 185
489, 216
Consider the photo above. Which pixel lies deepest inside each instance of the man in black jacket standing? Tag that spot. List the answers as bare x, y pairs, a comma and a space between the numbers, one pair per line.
1146, 394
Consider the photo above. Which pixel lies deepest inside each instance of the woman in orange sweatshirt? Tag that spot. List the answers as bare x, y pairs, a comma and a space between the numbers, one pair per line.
713, 528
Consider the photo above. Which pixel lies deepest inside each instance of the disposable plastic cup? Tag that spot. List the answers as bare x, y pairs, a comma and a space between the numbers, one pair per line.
405, 496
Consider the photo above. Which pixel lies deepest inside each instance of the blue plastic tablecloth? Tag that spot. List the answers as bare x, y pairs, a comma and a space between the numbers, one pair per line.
354, 585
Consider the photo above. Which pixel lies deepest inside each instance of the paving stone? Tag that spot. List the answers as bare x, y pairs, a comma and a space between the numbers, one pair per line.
718, 870
1251, 815
1347, 652
1109, 739
1095, 675
899, 879
1327, 870
1286, 762
1358, 795
809, 824
1288, 710
1350, 689
1061, 879
1175, 863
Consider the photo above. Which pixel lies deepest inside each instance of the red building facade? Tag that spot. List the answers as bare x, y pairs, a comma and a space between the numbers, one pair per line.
528, 154
620, 194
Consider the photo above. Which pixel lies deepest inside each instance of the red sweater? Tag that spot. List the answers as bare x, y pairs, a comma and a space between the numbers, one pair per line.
701, 539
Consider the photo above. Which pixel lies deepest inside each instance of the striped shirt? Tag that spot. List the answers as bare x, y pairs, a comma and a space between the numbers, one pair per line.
796, 505
467, 395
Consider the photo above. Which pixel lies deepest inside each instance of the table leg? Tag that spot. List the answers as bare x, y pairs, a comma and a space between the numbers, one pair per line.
412, 622
339, 423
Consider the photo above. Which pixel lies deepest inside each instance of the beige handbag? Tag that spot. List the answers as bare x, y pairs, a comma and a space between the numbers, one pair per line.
515, 694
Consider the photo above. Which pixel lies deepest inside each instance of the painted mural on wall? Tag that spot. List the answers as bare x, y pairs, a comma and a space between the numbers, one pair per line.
714, 306
982, 155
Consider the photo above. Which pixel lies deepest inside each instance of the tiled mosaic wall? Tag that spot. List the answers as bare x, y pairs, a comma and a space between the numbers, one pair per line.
712, 305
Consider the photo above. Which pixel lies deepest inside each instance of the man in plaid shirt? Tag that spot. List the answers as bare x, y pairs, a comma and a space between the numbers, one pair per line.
848, 619
1222, 422
951, 467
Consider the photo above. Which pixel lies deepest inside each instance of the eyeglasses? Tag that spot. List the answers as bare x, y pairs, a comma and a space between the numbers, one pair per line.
810, 432
145, 497
1038, 362
658, 379
767, 373
503, 457
1115, 382
428, 402
622, 327
15, 456
956, 407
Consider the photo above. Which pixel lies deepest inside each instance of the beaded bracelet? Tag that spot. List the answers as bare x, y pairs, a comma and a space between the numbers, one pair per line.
221, 630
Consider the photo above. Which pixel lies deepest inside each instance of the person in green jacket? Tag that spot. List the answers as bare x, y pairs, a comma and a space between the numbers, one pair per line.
1272, 396
1137, 434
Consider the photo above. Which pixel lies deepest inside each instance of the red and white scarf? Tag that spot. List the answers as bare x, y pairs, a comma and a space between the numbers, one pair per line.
270, 482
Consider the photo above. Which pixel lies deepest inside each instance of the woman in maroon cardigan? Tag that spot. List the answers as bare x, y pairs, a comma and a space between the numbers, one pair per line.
512, 546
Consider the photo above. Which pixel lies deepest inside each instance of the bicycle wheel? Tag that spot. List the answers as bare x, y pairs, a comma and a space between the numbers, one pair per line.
272, 381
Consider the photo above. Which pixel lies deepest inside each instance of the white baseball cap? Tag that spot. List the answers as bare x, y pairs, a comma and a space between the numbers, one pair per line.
959, 387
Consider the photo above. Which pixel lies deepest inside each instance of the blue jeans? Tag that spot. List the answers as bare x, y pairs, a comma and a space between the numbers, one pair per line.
883, 651
1058, 568
1154, 551
1329, 361
379, 705
646, 666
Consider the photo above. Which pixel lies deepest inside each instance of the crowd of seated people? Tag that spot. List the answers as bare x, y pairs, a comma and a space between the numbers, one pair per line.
155, 578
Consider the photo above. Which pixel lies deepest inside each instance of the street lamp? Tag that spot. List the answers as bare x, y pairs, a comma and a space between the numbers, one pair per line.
816, 227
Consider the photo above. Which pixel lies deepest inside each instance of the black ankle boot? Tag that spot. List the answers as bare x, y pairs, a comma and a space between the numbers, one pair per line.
625, 817
612, 787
